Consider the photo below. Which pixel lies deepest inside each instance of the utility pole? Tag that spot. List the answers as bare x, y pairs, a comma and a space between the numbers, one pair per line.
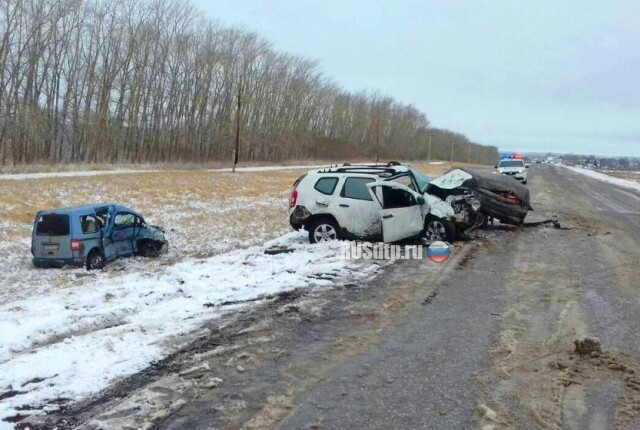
235, 152
452, 142
469, 158
377, 137
429, 153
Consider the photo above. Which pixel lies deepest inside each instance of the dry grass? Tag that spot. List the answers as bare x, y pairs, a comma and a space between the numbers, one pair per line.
225, 196
205, 213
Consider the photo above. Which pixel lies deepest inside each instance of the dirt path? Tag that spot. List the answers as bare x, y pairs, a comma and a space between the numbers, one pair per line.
484, 340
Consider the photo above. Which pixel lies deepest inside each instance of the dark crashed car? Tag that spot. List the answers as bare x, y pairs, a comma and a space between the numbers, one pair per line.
501, 197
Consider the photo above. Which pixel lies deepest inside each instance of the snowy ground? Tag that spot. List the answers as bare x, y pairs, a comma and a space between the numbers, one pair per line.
204, 214
626, 183
75, 342
68, 333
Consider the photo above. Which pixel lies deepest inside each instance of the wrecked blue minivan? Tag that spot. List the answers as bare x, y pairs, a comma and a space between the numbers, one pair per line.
92, 235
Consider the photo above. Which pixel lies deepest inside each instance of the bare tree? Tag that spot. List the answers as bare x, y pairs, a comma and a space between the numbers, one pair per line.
150, 80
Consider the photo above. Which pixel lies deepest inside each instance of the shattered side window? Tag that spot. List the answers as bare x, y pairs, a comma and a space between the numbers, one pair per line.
356, 188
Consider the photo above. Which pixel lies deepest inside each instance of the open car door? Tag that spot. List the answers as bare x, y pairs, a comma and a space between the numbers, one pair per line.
401, 210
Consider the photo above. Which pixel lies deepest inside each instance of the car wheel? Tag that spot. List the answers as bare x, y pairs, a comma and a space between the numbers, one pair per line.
438, 229
148, 249
323, 230
524, 182
95, 260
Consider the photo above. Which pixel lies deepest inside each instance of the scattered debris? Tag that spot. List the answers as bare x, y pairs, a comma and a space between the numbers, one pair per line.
429, 298
212, 383
278, 250
488, 413
554, 220
202, 367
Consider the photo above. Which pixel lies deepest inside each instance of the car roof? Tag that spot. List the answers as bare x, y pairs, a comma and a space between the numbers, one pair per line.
87, 208
365, 169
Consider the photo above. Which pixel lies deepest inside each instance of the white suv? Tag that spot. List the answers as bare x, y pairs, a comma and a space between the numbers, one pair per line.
369, 202
513, 167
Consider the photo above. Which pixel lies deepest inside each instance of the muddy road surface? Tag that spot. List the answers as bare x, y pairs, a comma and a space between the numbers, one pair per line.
484, 340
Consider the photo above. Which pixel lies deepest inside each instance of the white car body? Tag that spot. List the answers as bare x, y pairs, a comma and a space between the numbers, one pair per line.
515, 168
339, 193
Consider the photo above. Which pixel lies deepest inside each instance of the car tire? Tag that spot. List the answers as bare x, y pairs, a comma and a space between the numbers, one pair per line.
95, 260
524, 182
148, 249
323, 230
439, 229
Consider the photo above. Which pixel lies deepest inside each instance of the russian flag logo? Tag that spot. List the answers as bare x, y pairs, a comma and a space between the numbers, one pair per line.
438, 252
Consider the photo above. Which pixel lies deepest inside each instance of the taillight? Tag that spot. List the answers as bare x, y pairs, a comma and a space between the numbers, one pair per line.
75, 245
294, 199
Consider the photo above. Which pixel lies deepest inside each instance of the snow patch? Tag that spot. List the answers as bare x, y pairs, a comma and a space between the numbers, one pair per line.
73, 343
606, 178
46, 175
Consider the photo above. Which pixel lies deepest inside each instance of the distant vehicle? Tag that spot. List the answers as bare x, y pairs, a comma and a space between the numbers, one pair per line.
371, 203
537, 161
513, 167
500, 196
527, 162
92, 235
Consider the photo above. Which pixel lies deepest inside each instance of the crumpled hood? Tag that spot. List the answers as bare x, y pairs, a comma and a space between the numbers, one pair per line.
472, 179
438, 207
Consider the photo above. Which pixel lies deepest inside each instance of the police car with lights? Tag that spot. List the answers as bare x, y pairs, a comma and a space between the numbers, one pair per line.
513, 165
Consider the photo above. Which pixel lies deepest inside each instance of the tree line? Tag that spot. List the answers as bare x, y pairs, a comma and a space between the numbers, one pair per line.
111, 81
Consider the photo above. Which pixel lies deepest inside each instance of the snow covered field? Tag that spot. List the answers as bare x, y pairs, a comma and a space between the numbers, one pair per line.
74, 342
204, 214
626, 183
68, 333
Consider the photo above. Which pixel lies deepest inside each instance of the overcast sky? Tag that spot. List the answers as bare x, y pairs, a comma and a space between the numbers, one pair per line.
549, 75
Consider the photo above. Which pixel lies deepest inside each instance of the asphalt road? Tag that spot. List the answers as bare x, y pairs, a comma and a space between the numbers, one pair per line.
484, 340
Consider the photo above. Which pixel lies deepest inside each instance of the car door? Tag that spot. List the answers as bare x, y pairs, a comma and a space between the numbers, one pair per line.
104, 217
400, 210
123, 233
355, 209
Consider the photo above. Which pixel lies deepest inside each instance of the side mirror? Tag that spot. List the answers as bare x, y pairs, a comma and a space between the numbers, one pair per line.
495, 167
421, 200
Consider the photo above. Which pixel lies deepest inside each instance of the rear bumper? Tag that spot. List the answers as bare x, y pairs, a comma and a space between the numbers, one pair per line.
298, 217
500, 208
58, 262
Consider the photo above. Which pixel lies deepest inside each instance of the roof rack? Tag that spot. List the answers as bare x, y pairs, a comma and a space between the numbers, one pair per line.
379, 170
